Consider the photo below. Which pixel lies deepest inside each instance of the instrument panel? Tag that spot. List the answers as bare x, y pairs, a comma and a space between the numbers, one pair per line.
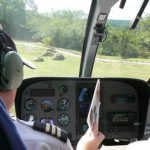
65, 102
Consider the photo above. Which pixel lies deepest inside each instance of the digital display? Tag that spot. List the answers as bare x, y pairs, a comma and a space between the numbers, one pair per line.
124, 98
119, 118
85, 96
42, 92
122, 118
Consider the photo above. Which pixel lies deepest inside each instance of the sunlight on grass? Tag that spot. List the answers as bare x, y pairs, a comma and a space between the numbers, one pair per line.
115, 69
69, 67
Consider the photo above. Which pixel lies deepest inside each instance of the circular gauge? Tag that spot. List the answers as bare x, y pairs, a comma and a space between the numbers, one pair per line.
30, 104
29, 117
47, 106
63, 119
63, 89
63, 104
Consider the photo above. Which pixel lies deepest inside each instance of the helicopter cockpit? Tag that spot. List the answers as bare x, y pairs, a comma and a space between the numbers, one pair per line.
61, 95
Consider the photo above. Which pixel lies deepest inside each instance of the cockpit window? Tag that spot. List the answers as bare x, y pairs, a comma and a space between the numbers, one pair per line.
125, 52
49, 33
129, 11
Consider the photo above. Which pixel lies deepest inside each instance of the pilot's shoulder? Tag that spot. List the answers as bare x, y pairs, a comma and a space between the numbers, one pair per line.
42, 134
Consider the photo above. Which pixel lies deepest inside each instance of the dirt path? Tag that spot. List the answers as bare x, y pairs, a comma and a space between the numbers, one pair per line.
122, 61
67, 52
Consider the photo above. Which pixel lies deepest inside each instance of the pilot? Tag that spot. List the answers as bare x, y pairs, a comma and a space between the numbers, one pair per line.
11, 76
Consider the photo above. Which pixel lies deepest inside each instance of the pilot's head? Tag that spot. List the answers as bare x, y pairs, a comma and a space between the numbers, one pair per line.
11, 68
11, 63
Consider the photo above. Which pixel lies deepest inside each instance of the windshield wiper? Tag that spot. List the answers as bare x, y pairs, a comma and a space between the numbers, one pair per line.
122, 3
138, 17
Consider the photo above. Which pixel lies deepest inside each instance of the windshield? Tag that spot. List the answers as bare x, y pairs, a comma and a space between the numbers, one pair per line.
125, 52
129, 11
50, 33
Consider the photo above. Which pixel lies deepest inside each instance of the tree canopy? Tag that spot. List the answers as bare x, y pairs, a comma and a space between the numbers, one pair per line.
66, 29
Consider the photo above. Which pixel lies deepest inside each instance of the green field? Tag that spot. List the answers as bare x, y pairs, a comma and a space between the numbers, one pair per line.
106, 66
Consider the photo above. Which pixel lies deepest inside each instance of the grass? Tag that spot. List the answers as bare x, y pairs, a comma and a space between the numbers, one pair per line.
70, 66
116, 69
50, 67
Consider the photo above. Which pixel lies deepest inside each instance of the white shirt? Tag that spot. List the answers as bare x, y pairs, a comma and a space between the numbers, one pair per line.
35, 140
139, 145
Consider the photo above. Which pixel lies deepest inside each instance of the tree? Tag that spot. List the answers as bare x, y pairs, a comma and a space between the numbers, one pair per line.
128, 43
110, 45
65, 28
30, 4
12, 15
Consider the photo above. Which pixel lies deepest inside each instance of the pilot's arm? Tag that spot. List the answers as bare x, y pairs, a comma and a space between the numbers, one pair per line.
91, 140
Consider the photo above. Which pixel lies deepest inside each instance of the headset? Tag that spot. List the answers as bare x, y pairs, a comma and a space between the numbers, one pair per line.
11, 65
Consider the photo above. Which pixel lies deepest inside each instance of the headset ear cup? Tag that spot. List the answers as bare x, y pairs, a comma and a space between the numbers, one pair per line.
12, 71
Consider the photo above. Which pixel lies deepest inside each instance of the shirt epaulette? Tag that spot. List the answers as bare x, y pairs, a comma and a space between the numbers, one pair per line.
47, 128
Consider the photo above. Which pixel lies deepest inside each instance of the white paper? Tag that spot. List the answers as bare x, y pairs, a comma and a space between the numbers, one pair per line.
93, 115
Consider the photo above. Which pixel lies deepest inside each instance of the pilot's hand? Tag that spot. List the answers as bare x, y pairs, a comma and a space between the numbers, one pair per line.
91, 139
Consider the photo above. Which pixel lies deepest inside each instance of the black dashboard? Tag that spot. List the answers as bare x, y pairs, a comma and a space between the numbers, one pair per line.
65, 103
